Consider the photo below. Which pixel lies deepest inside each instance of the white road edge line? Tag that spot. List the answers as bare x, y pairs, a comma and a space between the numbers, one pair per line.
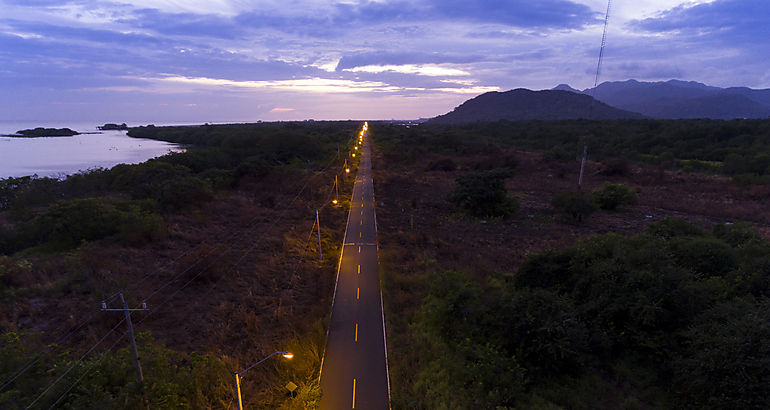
382, 307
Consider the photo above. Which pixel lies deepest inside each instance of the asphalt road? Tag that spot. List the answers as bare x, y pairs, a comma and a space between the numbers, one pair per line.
354, 373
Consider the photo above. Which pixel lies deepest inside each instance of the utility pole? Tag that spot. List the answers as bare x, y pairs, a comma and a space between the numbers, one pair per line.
318, 224
582, 166
137, 360
336, 189
238, 391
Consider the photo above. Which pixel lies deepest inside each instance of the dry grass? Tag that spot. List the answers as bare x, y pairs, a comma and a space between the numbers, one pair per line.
236, 278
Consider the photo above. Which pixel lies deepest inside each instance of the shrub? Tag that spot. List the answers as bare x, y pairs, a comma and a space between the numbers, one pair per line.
707, 256
727, 357
66, 224
612, 196
575, 204
559, 153
673, 227
483, 194
544, 330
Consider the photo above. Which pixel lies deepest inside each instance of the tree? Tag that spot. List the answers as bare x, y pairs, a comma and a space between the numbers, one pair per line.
482, 194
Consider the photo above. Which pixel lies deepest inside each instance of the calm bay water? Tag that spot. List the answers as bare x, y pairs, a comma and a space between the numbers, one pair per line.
60, 156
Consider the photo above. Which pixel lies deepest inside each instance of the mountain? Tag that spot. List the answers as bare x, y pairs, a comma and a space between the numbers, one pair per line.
523, 104
566, 87
683, 99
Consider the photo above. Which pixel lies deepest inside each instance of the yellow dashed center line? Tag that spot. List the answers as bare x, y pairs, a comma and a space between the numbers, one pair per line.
354, 393
358, 293
359, 249
359, 269
355, 338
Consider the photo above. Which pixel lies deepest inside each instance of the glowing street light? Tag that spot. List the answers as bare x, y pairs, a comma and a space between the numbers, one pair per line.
336, 192
286, 355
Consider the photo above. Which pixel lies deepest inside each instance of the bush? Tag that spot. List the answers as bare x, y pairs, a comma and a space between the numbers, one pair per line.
66, 224
575, 204
559, 153
707, 256
544, 330
483, 194
612, 196
727, 358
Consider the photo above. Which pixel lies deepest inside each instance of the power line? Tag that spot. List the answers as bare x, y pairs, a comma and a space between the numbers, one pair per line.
39, 355
593, 91
74, 364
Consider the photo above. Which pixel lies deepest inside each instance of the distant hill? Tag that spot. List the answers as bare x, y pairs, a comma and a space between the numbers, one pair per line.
566, 87
523, 104
683, 99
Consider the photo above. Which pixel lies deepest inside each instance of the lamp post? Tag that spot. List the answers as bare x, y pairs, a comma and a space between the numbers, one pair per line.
237, 375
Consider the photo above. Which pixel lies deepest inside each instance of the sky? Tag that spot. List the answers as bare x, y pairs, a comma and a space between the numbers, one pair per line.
175, 61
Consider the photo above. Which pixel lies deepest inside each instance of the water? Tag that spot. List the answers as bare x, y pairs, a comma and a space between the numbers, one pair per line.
61, 156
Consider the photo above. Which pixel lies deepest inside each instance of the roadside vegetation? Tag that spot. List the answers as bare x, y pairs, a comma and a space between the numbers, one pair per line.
642, 290
214, 239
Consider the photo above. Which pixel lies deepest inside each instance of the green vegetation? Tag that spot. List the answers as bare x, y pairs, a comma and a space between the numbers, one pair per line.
482, 194
46, 132
646, 311
65, 243
109, 381
613, 196
673, 317
112, 126
573, 204
736, 147
62, 214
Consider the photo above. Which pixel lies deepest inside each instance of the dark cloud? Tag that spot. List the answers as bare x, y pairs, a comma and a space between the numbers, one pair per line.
86, 34
728, 20
519, 13
185, 24
555, 14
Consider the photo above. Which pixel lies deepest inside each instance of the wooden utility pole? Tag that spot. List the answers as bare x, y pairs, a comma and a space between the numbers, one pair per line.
318, 224
137, 360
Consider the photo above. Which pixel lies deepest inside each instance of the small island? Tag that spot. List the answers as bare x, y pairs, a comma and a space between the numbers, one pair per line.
111, 127
45, 132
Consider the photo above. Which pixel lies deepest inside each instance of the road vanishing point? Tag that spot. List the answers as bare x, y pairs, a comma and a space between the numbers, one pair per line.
354, 371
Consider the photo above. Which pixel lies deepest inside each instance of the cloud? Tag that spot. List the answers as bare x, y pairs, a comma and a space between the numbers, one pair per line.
729, 20
403, 58
185, 24
430, 70
561, 14
313, 85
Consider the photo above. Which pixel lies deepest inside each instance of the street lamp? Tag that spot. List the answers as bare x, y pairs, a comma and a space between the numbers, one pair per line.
287, 355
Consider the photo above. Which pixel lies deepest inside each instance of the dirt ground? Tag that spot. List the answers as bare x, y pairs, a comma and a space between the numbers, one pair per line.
413, 201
